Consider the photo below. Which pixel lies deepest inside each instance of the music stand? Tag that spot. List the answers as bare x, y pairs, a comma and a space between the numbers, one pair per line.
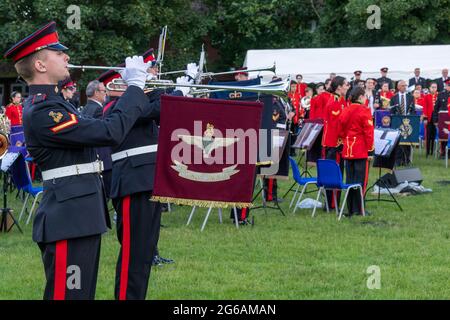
306, 140
386, 143
283, 154
7, 162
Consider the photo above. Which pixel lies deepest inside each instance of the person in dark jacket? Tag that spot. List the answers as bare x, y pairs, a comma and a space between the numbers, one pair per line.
72, 214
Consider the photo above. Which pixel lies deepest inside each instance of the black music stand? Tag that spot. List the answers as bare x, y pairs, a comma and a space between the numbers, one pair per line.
5, 211
386, 144
306, 140
283, 153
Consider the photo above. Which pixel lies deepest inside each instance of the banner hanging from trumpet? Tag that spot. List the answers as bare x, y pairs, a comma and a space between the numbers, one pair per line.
207, 151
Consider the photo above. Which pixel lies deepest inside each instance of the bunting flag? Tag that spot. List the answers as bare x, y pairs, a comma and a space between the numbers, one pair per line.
207, 151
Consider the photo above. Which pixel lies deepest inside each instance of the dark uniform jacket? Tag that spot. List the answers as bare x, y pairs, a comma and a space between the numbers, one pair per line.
409, 105
441, 83
421, 81
92, 109
95, 110
57, 136
442, 102
382, 80
136, 173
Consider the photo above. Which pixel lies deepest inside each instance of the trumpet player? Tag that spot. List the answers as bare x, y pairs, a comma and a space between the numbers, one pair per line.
72, 215
133, 171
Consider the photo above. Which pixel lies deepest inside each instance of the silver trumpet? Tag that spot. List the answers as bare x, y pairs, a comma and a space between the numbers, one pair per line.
279, 88
201, 75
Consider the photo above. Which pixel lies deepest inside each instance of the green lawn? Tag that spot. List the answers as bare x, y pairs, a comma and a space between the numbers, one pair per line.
292, 257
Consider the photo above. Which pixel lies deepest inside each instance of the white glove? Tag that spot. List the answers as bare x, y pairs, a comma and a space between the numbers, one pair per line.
152, 76
135, 72
192, 70
183, 80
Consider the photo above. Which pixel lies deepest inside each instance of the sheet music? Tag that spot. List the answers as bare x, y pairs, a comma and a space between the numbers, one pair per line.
8, 160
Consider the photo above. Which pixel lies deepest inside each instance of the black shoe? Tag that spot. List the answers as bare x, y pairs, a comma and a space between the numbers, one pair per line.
166, 260
164, 207
156, 262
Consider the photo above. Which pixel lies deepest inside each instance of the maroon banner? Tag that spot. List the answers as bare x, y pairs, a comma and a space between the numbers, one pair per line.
443, 123
207, 151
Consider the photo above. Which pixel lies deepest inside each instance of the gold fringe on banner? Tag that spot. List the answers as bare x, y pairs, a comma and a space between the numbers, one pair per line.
201, 203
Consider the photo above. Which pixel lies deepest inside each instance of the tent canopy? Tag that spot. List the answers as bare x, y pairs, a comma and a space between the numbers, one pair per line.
316, 64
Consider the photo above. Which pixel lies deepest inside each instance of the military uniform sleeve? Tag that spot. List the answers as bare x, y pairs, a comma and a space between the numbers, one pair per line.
56, 126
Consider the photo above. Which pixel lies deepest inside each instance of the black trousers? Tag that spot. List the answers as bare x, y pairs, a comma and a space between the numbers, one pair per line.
403, 155
270, 189
431, 136
333, 153
138, 223
71, 268
357, 171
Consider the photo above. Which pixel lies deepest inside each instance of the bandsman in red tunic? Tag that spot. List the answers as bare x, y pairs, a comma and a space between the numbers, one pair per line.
331, 144
357, 134
301, 87
14, 109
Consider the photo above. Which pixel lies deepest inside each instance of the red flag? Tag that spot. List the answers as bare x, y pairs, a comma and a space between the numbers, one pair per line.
207, 151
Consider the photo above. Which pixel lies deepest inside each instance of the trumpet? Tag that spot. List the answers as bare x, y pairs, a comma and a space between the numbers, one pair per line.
279, 88
213, 74
201, 75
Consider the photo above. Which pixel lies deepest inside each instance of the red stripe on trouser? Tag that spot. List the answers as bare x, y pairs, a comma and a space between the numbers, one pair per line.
125, 248
270, 190
366, 177
33, 171
243, 213
60, 270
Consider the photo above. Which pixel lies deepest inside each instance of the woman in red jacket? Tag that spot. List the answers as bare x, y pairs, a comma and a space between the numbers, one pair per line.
331, 144
357, 134
14, 109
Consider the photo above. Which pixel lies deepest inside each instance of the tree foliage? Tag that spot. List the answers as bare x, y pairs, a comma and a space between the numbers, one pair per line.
111, 30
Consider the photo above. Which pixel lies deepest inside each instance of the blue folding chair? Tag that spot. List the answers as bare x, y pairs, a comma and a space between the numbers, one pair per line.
22, 180
300, 182
329, 177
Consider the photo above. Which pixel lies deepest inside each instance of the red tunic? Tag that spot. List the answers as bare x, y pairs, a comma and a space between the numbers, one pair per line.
14, 114
301, 89
333, 110
356, 131
430, 101
318, 105
420, 102
295, 100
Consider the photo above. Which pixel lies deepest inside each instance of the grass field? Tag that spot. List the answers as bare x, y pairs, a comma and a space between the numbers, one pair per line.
292, 257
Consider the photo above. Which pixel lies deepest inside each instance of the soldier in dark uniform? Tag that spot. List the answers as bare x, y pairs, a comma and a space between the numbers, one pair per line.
442, 104
138, 218
384, 79
279, 118
355, 81
72, 214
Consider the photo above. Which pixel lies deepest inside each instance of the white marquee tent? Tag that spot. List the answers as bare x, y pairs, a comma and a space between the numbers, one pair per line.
316, 64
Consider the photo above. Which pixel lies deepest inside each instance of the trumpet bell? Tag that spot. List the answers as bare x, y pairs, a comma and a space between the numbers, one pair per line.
4, 144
